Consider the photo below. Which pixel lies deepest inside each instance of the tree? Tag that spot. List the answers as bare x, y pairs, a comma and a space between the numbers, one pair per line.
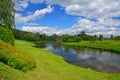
82, 35
7, 13
54, 37
94, 38
29, 36
111, 37
117, 38
101, 37
65, 37
76, 39
43, 37
6, 35
37, 36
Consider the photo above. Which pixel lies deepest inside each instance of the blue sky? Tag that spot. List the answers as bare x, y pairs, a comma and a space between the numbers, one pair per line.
68, 16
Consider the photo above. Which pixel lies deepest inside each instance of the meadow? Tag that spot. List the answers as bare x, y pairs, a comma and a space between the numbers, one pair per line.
50, 67
108, 45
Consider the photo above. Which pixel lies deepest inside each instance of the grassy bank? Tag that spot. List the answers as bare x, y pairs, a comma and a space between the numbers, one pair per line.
15, 58
109, 45
51, 67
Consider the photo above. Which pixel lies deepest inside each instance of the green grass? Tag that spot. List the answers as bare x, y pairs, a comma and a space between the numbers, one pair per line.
15, 58
109, 45
51, 67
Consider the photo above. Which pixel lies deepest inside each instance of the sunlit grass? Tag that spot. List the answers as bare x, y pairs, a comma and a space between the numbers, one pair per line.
52, 67
15, 58
109, 45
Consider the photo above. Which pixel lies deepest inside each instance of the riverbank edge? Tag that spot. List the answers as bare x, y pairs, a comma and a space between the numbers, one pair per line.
91, 46
50, 67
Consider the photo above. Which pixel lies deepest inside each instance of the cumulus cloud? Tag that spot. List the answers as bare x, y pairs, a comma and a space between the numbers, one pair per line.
102, 26
90, 8
21, 4
37, 14
102, 10
90, 27
41, 29
36, 1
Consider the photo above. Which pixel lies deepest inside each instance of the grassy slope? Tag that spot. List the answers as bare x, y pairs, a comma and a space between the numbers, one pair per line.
109, 45
51, 67
15, 58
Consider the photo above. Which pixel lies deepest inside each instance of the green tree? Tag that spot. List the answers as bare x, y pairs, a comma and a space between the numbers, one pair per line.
65, 38
54, 37
7, 13
43, 37
6, 35
29, 36
111, 37
82, 35
37, 36
94, 38
117, 38
100, 37
76, 39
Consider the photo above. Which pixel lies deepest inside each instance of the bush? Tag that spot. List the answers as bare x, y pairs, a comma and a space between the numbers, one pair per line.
6, 35
15, 58
29, 37
77, 39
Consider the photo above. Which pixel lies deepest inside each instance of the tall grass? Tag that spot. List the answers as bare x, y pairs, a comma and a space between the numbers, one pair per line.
15, 58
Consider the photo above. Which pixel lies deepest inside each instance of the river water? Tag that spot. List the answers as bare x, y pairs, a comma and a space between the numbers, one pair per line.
102, 61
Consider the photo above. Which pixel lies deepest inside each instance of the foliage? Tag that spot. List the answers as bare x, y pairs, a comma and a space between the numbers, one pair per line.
100, 37
6, 35
111, 37
23, 35
15, 58
7, 13
77, 38
29, 37
117, 38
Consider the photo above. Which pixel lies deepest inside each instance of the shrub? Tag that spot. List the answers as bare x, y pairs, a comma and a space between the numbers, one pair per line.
15, 58
77, 39
6, 35
29, 37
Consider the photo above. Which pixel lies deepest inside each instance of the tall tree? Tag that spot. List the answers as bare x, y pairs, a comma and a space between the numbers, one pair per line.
82, 35
101, 37
7, 13
111, 37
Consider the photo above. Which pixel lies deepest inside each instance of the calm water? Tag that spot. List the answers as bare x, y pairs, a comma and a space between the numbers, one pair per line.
98, 60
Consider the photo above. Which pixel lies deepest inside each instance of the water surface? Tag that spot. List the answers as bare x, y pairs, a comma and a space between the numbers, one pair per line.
97, 60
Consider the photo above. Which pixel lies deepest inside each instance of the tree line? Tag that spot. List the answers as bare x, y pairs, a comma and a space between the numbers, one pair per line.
7, 25
82, 36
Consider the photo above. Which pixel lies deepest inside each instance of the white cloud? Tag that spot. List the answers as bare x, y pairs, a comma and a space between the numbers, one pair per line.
37, 14
90, 8
86, 25
21, 4
36, 1
103, 26
102, 10
40, 29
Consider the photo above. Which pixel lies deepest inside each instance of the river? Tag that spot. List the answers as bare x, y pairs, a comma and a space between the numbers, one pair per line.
98, 60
